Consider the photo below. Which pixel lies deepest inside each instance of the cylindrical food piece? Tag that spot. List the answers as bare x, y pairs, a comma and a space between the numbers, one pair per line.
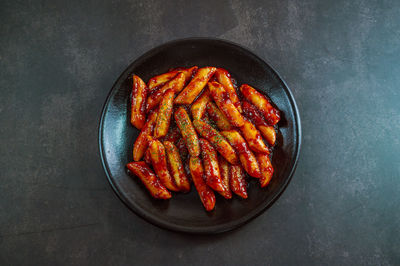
221, 98
211, 166
195, 86
223, 77
176, 166
187, 131
146, 157
217, 140
268, 132
176, 84
207, 196
270, 113
224, 170
149, 179
218, 117
157, 81
199, 106
246, 156
183, 151
142, 141
138, 99
164, 114
266, 169
253, 138
238, 182
159, 162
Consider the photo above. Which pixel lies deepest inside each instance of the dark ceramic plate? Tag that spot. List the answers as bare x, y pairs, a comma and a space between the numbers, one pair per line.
184, 212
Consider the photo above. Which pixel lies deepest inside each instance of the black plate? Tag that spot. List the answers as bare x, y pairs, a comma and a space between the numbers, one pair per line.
184, 212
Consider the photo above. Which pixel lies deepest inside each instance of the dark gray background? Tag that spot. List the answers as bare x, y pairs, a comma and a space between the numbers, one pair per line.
58, 61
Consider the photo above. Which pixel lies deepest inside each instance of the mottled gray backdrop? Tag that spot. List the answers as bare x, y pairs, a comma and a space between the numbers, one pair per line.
58, 61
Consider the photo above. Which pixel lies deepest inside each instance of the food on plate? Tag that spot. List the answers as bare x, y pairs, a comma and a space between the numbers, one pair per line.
246, 156
164, 114
176, 166
238, 182
138, 98
159, 161
211, 166
221, 98
224, 78
188, 133
206, 194
218, 117
149, 179
270, 113
195, 86
217, 140
219, 136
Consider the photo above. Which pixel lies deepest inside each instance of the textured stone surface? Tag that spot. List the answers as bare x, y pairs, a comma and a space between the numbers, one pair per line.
59, 59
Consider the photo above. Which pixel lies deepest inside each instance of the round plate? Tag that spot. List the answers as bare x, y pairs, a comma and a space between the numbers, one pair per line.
184, 212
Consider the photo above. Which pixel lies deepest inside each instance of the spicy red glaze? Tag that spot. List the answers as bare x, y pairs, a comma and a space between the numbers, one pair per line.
160, 80
238, 183
183, 151
176, 167
176, 84
138, 100
159, 162
218, 117
253, 138
146, 157
207, 196
221, 98
271, 114
188, 133
211, 166
224, 170
198, 108
149, 179
246, 156
224, 78
217, 140
142, 140
173, 134
195, 86
251, 112
267, 169
164, 114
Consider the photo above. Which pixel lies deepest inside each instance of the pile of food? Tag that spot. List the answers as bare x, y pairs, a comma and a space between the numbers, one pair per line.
197, 127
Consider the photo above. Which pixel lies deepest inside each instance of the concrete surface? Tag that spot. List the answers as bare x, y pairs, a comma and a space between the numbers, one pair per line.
58, 61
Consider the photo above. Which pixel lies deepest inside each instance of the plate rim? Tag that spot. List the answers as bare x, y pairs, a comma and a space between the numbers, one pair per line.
214, 228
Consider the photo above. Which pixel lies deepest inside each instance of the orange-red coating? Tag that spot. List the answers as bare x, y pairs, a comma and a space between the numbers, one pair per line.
246, 156
176, 167
195, 86
224, 77
224, 170
199, 106
271, 114
211, 167
176, 84
266, 168
217, 140
142, 141
218, 117
164, 114
149, 179
159, 162
253, 138
221, 98
238, 183
207, 196
138, 102
157, 81
188, 133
